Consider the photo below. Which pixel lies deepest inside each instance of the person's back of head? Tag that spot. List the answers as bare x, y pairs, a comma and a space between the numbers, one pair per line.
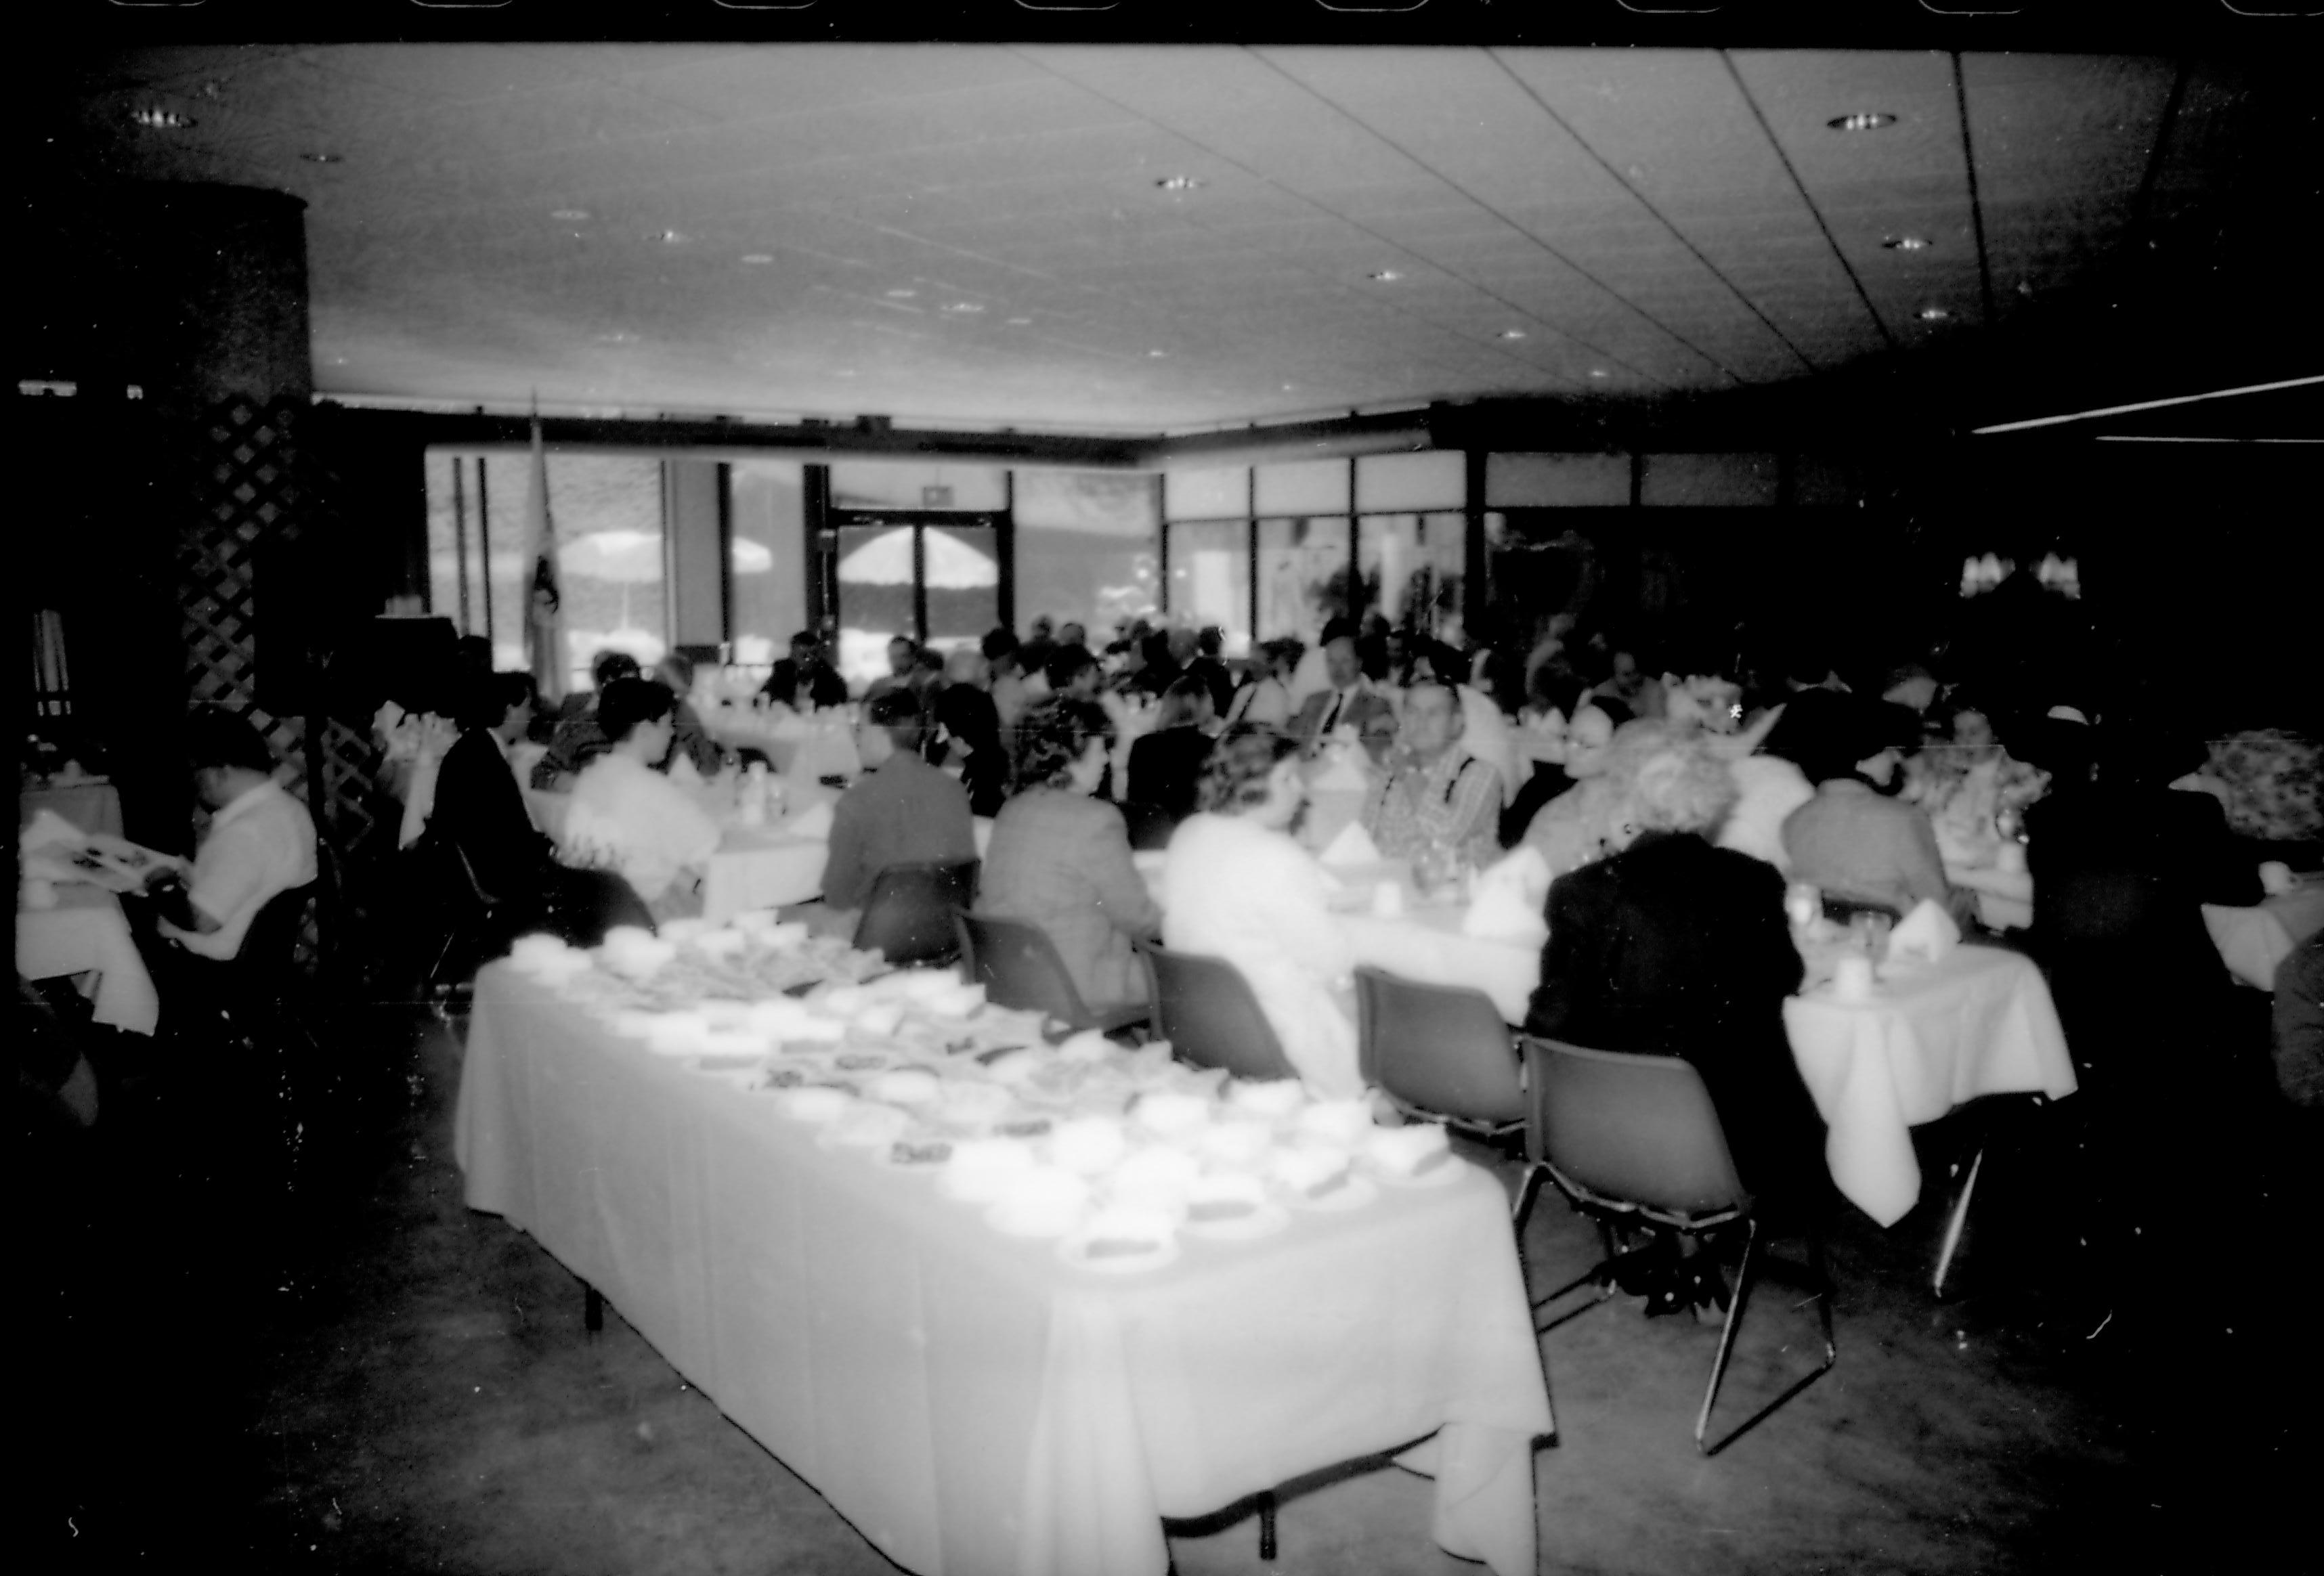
629, 701
897, 713
999, 645
1210, 640
1066, 664
677, 670
1185, 700
608, 666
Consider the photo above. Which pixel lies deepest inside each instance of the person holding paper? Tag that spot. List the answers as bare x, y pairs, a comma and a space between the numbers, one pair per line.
260, 841
1236, 886
1435, 793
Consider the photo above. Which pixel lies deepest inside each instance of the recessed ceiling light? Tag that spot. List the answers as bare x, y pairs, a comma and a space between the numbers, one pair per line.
670, 237
1020, 322
1287, 387
1512, 333
570, 215
1177, 183
1385, 276
1599, 372
617, 338
324, 157
161, 120
1158, 354
901, 295
1906, 243
1933, 313
758, 257
1863, 120
965, 307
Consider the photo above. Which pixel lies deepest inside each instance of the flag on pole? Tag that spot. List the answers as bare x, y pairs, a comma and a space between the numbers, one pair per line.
544, 622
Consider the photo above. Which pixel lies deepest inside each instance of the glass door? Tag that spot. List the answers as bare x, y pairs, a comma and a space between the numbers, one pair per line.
935, 577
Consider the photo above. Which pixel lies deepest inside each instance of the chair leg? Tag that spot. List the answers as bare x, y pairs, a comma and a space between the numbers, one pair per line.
1953, 1224
1267, 1526
1726, 1331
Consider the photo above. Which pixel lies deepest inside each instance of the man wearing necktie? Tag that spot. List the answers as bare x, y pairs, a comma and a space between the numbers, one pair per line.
1351, 702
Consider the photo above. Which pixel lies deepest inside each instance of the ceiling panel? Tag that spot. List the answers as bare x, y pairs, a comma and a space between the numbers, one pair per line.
1651, 222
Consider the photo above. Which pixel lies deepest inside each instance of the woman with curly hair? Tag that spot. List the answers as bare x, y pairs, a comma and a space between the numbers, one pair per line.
1673, 947
1236, 886
1060, 858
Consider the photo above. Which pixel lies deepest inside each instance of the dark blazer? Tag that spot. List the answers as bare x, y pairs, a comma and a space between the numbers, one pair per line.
1677, 948
969, 715
1165, 769
1367, 712
1213, 674
479, 808
1062, 861
2120, 876
828, 689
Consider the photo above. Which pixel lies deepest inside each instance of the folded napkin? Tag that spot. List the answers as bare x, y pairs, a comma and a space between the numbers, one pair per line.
1342, 772
815, 822
1507, 902
1352, 848
1927, 934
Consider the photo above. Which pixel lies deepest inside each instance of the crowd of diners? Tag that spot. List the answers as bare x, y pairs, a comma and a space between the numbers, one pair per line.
1670, 810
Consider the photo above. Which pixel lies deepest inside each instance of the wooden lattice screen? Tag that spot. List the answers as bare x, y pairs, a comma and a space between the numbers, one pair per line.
258, 491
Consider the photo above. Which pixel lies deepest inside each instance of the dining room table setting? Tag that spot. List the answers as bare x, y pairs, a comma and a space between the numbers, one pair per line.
1007, 1296
69, 920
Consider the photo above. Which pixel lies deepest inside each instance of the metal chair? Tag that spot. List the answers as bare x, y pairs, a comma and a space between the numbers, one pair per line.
1635, 1138
1206, 1009
908, 917
1017, 964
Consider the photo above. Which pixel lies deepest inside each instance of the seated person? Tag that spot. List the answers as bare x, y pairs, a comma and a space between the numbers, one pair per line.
1856, 841
1972, 789
903, 657
803, 680
1005, 661
260, 841
968, 724
1207, 665
1576, 828
1673, 947
1435, 793
580, 739
1629, 683
1266, 699
902, 811
1347, 699
629, 818
1072, 670
478, 807
1165, 765
688, 741
2300, 1024
1236, 886
1061, 858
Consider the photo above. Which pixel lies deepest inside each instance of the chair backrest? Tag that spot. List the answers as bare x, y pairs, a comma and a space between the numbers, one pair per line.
908, 915
267, 961
1628, 1127
1017, 964
1206, 1009
1438, 1047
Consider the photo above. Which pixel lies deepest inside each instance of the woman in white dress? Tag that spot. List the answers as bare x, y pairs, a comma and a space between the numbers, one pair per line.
1237, 887
629, 818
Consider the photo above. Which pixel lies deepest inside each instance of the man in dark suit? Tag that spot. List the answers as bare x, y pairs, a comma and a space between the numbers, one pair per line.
803, 680
1349, 702
1208, 667
1675, 947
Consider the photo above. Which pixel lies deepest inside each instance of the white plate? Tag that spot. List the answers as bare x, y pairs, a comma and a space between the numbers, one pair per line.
995, 1217
1071, 1248
1263, 1221
1359, 1190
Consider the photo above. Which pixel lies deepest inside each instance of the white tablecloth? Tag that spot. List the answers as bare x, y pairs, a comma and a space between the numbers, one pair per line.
1979, 1023
762, 868
805, 750
87, 932
970, 1403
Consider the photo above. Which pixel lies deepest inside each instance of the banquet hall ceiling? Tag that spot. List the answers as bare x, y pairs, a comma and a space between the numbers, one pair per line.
1148, 237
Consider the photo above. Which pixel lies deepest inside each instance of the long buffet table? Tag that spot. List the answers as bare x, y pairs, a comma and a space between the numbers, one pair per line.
972, 1403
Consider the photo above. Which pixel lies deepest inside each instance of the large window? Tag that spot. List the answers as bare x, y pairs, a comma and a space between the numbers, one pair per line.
1303, 577
1086, 548
1210, 577
768, 597
607, 513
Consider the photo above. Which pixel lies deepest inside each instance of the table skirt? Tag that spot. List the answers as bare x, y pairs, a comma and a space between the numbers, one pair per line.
88, 933
969, 1402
